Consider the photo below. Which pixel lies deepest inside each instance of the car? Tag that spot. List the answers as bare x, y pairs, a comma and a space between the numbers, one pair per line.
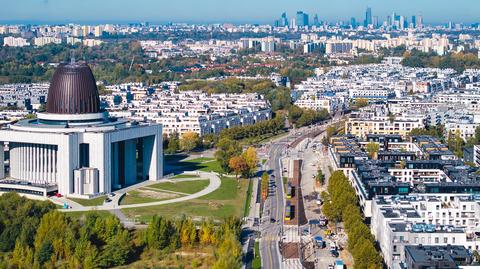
330, 266
58, 195
272, 220
334, 253
112, 194
108, 200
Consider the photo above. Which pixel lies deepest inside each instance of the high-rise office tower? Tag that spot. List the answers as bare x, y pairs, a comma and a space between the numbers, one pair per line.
302, 19
419, 21
375, 21
368, 17
414, 21
283, 21
316, 22
402, 22
353, 23
393, 19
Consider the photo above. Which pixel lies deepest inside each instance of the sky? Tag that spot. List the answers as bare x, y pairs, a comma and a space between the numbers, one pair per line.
228, 11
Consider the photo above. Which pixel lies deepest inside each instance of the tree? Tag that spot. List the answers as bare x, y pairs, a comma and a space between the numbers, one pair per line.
188, 233
206, 232
361, 102
264, 185
159, 233
189, 141
250, 156
229, 253
117, 250
372, 149
238, 165
173, 144
320, 178
226, 149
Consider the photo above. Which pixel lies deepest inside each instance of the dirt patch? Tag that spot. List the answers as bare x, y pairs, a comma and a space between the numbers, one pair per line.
214, 205
156, 194
289, 250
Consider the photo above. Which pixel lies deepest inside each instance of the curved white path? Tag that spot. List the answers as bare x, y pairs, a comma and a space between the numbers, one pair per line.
215, 183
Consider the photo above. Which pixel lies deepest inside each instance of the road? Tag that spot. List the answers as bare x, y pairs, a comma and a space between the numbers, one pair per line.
273, 208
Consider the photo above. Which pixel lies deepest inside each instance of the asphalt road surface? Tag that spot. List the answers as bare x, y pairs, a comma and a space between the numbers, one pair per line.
273, 209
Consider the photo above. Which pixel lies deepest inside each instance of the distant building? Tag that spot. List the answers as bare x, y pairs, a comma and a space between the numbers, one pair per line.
368, 17
11, 41
302, 19
336, 47
446, 257
283, 21
44, 40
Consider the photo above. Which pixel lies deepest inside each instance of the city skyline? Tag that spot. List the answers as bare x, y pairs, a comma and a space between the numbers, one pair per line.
209, 11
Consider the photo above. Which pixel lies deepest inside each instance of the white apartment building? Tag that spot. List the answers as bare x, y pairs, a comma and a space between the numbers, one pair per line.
11, 41
44, 40
362, 126
438, 219
186, 111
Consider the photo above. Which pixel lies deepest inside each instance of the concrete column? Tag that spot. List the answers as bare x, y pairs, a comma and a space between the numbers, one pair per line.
37, 163
29, 161
22, 161
16, 160
42, 163
54, 164
2, 160
48, 164
12, 160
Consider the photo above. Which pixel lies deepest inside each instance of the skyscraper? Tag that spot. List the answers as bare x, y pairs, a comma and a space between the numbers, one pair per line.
302, 19
402, 22
316, 22
419, 21
393, 19
353, 23
375, 21
414, 21
368, 17
283, 21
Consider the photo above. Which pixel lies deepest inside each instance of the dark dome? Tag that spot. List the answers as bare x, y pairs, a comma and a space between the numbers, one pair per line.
73, 90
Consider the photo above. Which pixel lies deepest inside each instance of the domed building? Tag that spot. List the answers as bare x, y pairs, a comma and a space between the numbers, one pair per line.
74, 147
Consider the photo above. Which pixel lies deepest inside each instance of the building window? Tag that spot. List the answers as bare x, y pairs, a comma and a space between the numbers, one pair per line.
84, 155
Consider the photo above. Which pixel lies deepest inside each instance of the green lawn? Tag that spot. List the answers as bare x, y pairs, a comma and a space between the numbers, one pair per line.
134, 197
246, 210
82, 214
197, 164
89, 202
228, 189
190, 187
201, 160
180, 176
257, 262
228, 200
